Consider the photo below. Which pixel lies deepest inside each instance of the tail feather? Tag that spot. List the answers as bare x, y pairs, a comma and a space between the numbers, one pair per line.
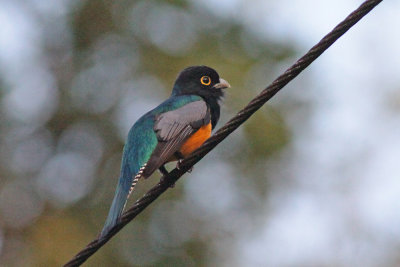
118, 204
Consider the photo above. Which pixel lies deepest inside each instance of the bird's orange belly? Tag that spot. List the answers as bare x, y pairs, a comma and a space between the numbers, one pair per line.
196, 140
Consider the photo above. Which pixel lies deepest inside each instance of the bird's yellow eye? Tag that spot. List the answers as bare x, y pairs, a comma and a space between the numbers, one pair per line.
205, 80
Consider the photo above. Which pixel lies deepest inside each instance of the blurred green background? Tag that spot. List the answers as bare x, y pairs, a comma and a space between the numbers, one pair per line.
290, 187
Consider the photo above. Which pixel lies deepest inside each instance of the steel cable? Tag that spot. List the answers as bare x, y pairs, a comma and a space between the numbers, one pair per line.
227, 129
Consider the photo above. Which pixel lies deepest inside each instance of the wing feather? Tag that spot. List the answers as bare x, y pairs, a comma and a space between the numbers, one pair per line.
173, 128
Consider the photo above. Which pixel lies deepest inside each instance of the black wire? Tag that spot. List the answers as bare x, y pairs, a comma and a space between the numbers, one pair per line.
227, 129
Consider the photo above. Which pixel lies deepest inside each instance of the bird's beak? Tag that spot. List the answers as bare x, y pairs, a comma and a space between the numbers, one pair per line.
222, 84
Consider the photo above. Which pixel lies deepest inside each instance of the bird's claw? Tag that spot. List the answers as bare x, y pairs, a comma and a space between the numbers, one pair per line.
178, 166
164, 173
163, 170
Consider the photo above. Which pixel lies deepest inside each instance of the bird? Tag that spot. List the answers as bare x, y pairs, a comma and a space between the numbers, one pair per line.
169, 132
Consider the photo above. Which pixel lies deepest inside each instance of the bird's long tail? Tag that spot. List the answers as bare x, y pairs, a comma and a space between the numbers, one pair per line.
118, 204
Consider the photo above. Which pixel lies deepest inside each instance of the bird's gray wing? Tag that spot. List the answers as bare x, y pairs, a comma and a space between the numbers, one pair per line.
173, 128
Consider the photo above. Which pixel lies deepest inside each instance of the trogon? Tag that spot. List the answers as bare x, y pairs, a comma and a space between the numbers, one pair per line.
169, 132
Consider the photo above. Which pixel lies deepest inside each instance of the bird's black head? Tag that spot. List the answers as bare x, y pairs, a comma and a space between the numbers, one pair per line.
200, 80
205, 82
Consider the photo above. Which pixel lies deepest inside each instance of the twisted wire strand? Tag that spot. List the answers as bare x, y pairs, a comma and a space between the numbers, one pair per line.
227, 129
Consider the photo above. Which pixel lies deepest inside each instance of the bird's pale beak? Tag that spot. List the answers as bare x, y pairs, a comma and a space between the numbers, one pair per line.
222, 84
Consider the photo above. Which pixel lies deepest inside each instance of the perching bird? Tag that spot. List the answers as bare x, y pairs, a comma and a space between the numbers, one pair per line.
169, 132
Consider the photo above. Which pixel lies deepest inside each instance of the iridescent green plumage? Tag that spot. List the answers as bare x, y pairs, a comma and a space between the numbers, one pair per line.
135, 154
140, 144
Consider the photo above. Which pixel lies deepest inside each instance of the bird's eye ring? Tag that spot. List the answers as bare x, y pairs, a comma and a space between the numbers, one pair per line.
205, 80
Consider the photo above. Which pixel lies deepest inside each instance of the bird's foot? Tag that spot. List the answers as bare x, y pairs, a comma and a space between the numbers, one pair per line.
178, 166
164, 172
